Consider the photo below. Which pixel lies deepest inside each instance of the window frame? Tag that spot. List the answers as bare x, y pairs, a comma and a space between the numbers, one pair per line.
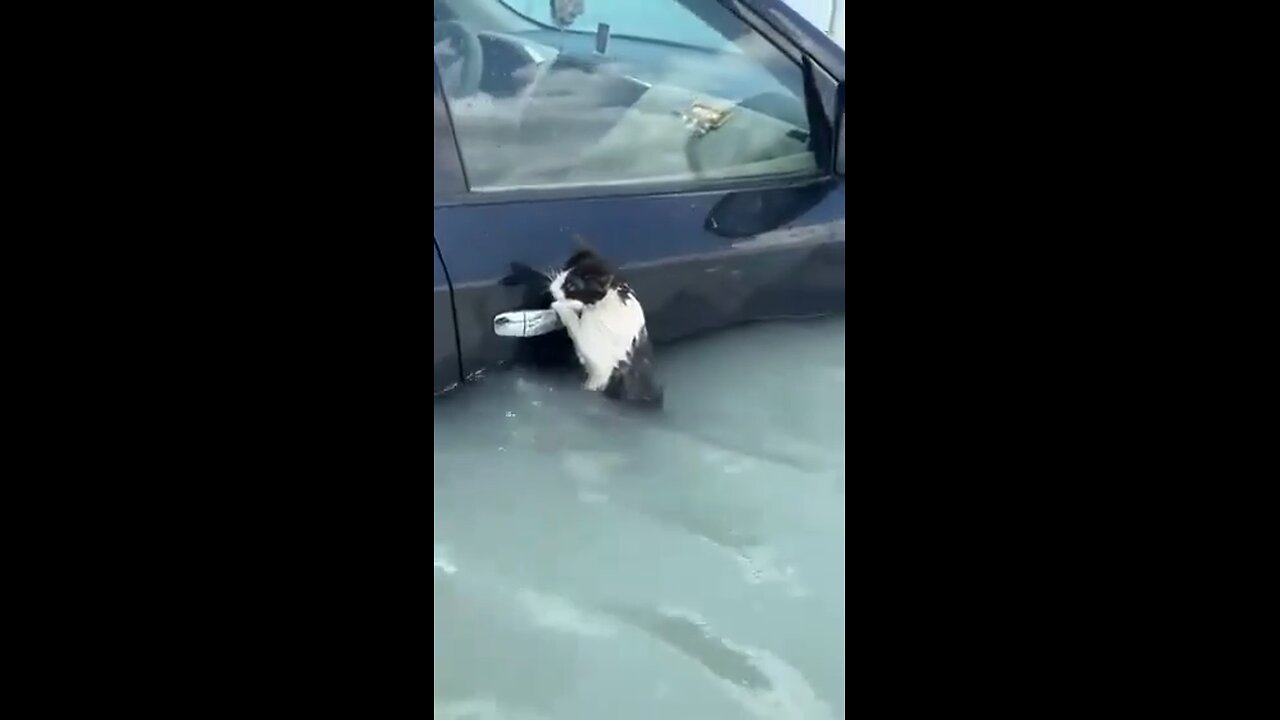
453, 189
450, 179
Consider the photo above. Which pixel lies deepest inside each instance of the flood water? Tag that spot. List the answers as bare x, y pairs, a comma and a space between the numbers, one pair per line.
592, 563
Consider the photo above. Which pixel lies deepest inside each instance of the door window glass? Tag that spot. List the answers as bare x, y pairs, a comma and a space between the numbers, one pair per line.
562, 93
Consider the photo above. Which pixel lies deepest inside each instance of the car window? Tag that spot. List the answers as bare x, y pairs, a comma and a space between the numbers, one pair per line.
591, 93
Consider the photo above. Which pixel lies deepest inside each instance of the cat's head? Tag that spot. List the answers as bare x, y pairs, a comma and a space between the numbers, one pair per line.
585, 277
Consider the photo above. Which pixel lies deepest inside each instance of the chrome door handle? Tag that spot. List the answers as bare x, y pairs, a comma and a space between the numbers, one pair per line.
526, 323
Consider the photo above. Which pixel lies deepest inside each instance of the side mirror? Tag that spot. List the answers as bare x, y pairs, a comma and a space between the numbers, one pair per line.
748, 213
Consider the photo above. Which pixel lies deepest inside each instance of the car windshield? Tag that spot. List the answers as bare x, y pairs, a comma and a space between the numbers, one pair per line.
592, 563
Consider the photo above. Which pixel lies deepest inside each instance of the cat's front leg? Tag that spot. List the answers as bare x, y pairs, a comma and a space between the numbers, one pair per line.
569, 304
568, 311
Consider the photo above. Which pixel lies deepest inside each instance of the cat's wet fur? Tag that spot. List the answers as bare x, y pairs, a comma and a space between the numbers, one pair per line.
604, 319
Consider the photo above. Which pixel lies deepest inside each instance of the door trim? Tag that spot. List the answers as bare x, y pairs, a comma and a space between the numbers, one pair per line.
453, 312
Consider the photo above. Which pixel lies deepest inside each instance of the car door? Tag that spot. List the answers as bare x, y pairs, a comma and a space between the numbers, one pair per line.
589, 151
447, 173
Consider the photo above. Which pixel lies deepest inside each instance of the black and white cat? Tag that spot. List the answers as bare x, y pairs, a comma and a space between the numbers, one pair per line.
606, 323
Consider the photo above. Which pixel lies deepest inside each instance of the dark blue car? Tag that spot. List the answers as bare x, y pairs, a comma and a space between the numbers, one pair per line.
697, 144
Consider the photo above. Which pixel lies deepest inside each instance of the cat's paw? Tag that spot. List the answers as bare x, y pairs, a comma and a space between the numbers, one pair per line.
569, 315
568, 306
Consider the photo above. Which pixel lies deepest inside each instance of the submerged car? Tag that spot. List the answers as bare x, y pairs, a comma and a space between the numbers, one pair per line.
697, 144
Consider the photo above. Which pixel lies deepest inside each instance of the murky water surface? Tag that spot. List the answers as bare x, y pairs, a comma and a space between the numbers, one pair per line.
592, 563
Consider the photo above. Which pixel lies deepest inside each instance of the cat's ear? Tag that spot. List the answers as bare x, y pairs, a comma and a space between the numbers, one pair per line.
582, 257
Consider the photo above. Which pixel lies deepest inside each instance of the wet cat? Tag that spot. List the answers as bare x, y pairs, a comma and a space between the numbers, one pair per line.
606, 323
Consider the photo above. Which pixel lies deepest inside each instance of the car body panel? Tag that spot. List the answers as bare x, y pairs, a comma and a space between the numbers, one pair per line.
688, 278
